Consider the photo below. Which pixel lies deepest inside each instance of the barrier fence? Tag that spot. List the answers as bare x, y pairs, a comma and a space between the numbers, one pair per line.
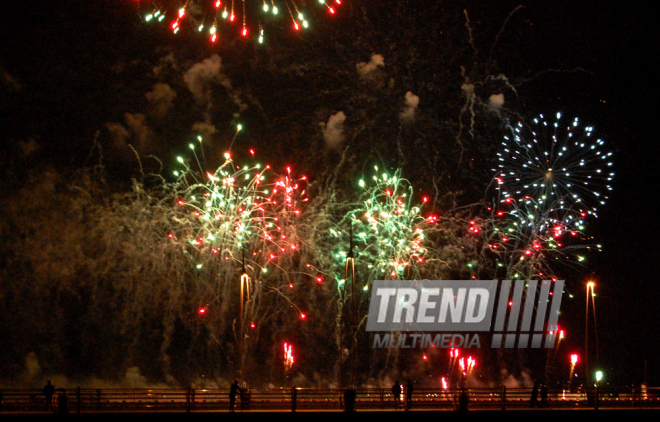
87, 400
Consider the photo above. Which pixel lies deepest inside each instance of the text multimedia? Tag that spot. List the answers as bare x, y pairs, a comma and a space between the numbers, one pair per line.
423, 341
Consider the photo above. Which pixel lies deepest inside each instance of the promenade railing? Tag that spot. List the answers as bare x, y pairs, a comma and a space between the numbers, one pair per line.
86, 400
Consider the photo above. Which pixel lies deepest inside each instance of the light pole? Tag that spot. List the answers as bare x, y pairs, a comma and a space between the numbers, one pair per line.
599, 376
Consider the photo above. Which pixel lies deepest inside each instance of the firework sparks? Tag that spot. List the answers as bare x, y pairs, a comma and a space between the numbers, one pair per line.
237, 209
239, 217
390, 229
562, 165
467, 365
247, 18
453, 359
288, 357
550, 177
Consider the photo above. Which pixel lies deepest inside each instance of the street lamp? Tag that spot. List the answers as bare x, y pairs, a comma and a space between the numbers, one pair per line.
599, 376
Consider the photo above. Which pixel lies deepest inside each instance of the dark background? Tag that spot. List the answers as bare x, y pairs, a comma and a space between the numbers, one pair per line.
62, 89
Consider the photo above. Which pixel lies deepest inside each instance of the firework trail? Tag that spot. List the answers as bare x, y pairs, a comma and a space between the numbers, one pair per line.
574, 361
466, 365
288, 357
453, 359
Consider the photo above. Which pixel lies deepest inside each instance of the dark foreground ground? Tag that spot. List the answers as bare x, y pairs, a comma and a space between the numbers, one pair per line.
536, 415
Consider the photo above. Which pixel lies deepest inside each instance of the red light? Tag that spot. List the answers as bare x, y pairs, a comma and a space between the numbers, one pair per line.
202, 311
303, 316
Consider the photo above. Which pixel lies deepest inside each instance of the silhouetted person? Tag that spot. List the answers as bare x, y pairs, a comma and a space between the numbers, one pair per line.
233, 390
294, 398
544, 395
534, 400
409, 391
396, 393
463, 401
49, 390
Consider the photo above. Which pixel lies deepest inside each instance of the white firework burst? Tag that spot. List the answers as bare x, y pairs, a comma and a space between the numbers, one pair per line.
559, 163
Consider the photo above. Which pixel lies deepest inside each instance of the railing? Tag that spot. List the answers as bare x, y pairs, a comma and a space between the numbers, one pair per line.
85, 400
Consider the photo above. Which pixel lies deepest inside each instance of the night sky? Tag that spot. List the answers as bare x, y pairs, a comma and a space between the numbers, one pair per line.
70, 70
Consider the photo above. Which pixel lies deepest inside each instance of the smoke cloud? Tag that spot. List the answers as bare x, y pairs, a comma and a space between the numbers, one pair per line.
411, 101
495, 102
200, 77
366, 68
160, 98
333, 130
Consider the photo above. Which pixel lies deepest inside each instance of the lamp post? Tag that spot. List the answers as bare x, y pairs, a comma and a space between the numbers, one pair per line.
599, 376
